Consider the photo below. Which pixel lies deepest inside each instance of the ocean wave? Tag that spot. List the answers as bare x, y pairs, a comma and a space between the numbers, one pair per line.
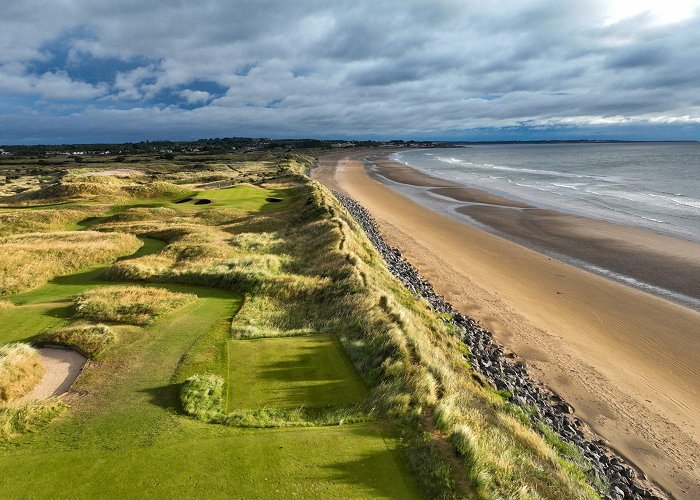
521, 170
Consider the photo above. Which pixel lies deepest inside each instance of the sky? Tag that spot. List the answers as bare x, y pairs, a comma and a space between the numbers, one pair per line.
98, 71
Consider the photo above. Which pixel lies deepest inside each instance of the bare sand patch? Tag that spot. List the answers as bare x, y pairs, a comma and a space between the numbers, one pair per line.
61, 368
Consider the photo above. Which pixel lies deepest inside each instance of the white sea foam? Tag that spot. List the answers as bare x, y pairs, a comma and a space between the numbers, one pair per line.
641, 184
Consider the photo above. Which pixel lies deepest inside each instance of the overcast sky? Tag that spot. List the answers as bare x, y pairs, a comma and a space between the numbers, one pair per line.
93, 70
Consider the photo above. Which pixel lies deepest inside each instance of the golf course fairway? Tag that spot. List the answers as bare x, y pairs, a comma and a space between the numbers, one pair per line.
125, 434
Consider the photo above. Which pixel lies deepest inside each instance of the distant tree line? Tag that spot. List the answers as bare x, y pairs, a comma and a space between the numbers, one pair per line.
213, 145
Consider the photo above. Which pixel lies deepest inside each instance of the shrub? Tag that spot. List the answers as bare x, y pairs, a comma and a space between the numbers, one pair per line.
202, 396
28, 417
135, 305
20, 370
90, 339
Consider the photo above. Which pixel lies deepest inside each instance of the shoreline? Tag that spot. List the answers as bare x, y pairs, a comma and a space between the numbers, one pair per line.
504, 370
654, 262
628, 362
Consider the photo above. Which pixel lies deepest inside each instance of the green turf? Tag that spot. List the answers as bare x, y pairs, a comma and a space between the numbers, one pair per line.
332, 462
49, 306
126, 437
290, 372
245, 197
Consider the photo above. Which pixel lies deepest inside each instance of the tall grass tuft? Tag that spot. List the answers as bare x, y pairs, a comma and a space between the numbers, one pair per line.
26, 417
32, 259
20, 370
135, 305
202, 396
91, 340
31, 221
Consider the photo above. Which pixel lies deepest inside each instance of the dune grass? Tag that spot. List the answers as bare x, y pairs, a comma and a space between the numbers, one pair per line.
91, 340
31, 259
136, 305
20, 370
31, 221
20, 418
79, 186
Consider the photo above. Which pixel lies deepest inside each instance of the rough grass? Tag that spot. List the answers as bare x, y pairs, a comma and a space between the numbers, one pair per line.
134, 305
203, 396
309, 269
30, 221
20, 370
91, 340
78, 186
29, 260
318, 273
26, 417
6, 304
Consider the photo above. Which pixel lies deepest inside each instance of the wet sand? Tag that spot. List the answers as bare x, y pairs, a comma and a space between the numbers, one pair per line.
649, 258
628, 361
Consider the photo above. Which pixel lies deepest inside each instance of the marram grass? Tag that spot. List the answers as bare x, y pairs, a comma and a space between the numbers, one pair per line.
89, 339
136, 305
20, 418
20, 370
31, 259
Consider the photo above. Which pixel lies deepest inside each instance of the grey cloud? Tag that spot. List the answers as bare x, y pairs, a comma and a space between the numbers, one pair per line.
318, 68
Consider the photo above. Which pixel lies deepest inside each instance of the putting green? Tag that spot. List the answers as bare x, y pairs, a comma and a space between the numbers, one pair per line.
290, 372
245, 197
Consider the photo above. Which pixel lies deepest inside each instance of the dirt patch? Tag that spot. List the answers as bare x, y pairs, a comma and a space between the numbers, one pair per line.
61, 368
117, 172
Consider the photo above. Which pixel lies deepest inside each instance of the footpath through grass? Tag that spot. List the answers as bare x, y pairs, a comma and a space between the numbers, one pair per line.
125, 434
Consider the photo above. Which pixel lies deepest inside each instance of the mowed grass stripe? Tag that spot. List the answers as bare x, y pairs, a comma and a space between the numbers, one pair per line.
354, 461
290, 372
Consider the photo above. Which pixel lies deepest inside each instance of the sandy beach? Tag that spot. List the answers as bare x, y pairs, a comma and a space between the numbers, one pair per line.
627, 361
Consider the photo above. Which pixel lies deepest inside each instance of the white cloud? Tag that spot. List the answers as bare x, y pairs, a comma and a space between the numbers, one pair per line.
195, 96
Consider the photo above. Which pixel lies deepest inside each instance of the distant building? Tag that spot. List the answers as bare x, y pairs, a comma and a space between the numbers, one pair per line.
3, 152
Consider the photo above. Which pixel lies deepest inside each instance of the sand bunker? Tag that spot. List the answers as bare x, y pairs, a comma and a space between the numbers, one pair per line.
203, 201
273, 200
62, 367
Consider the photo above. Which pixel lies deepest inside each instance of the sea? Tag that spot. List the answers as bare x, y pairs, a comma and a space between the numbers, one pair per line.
653, 185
